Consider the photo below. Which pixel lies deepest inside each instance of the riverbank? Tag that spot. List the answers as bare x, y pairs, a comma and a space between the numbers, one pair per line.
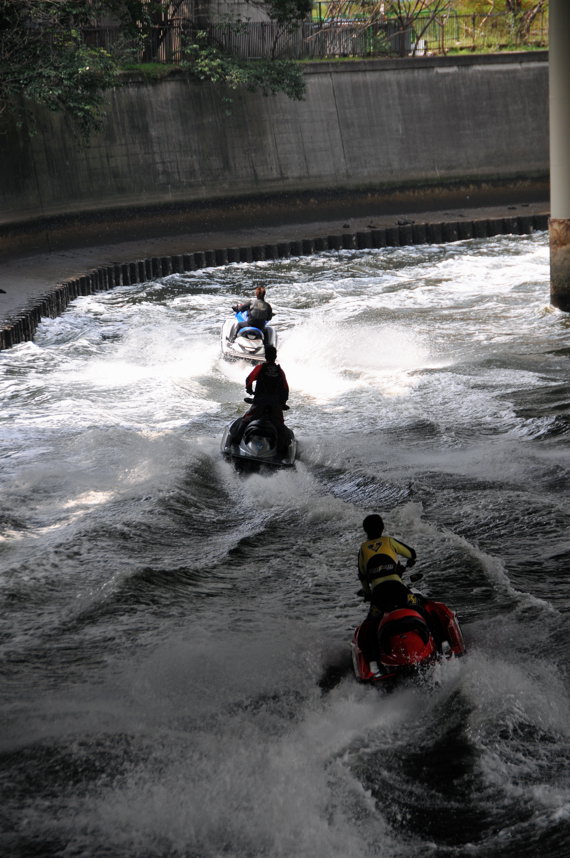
43, 284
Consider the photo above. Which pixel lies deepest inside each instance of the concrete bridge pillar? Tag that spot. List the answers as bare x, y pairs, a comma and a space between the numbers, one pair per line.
559, 83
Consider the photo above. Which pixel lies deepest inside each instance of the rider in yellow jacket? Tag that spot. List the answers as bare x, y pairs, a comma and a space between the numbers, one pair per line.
378, 557
382, 585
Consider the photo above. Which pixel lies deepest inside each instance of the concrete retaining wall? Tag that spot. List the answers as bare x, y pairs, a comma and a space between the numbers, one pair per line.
177, 146
363, 126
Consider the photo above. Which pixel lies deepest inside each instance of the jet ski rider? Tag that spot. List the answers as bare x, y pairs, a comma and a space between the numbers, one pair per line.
269, 399
258, 310
379, 572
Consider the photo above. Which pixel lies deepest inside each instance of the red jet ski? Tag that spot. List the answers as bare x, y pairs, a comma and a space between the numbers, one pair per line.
409, 642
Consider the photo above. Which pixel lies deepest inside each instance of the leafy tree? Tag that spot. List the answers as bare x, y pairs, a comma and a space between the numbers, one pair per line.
286, 11
44, 60
522, 13
207, 60
287, 14
269, 76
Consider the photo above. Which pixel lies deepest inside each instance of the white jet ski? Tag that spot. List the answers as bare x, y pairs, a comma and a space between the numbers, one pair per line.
250, 342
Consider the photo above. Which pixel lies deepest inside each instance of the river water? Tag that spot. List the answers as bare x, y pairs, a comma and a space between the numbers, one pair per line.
166, 621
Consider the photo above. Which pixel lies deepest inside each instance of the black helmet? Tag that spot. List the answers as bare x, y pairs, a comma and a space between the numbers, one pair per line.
373, 525
270, 353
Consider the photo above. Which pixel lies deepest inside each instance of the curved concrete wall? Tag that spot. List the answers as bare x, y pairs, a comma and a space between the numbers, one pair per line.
363, 125
23, 326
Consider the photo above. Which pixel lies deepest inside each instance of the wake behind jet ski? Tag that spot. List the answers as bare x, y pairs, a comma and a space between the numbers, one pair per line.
260, 437
246, 334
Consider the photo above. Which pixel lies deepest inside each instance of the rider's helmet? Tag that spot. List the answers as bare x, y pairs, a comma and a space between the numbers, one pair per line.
270, 353
373, 526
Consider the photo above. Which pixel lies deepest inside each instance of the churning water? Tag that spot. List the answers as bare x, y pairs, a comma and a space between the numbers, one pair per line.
166, 620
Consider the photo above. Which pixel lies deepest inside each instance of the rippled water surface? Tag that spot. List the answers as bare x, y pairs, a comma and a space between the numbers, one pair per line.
166, 621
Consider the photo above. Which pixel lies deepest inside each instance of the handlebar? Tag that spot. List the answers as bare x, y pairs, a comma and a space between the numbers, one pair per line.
405, 567
249, 400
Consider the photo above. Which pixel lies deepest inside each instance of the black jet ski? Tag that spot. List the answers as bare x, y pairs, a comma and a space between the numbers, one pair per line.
250, 342
258, 446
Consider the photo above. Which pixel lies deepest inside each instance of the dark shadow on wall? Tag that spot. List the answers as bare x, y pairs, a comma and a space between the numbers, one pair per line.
218, 217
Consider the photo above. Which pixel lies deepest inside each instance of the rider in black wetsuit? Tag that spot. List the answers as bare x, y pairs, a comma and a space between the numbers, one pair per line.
259, 312
269, 399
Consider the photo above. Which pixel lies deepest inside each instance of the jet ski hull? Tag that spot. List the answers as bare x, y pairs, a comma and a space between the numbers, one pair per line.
408, 645
257, 448
249, 344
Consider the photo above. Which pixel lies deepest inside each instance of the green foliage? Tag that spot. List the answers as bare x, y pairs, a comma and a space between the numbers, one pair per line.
152, 71
521, 14
273, 76
43, 60
288, 11
207, 62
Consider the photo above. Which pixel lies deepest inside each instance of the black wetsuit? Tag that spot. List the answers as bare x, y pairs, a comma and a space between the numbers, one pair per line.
259, 312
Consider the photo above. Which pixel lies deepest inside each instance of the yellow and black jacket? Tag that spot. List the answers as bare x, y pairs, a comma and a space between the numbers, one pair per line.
378, 561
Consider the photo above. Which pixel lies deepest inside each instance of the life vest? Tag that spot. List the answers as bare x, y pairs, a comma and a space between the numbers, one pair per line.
378, 560
379, 549
259, 311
